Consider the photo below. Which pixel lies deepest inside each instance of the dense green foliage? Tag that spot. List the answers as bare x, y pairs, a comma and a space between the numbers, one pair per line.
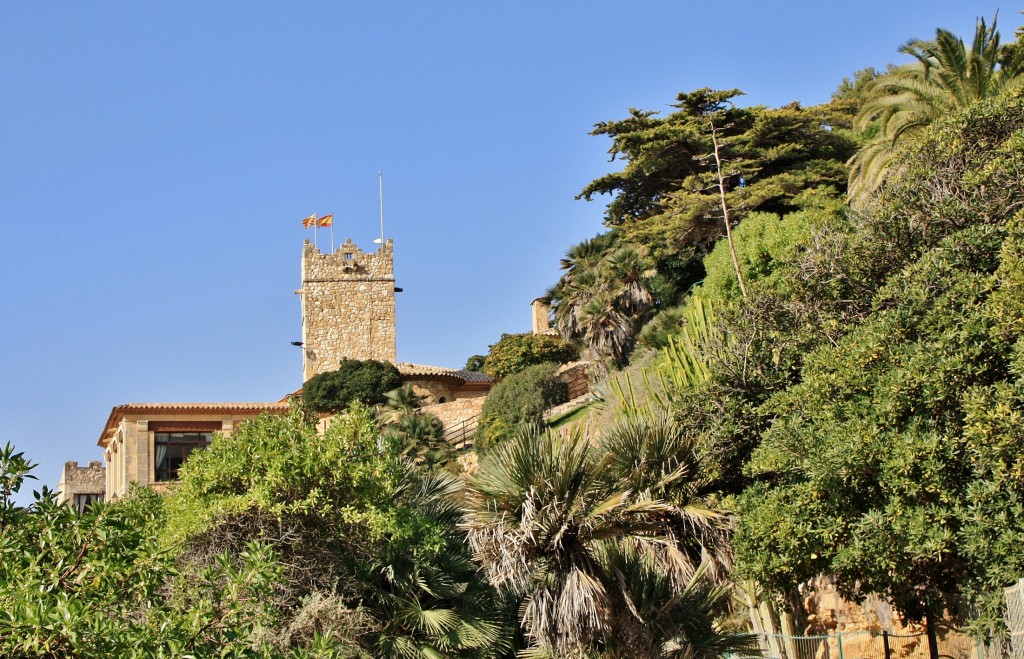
352, 521
519, 400
354, 381
890, 462
514, 352
99, 585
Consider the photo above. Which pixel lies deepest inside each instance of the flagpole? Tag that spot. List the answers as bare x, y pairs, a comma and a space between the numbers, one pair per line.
332, 232
314, 229
380, 176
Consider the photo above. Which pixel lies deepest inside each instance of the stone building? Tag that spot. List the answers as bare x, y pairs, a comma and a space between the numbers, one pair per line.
444, 385
82, 486
146, 443
348, 312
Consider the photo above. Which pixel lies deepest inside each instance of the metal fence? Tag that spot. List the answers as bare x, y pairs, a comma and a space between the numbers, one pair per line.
869, 645
883, 645
1015, 621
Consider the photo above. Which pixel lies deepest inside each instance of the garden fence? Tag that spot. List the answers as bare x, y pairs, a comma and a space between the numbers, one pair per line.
883, 645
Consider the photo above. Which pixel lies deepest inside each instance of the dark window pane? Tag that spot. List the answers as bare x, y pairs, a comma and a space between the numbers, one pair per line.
173, 449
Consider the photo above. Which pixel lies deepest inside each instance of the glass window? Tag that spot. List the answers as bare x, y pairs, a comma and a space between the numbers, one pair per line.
173, 448
83, 502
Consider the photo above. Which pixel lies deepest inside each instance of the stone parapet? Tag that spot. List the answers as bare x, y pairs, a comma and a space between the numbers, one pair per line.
88, 484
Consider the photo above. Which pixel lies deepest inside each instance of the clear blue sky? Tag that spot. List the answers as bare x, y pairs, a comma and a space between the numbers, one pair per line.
156, 159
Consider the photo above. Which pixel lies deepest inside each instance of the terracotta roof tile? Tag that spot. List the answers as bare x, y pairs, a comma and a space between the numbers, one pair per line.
412, 370
247, 409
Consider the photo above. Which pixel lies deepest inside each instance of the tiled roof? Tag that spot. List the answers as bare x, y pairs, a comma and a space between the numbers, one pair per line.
407, 369
423, 370
246, 409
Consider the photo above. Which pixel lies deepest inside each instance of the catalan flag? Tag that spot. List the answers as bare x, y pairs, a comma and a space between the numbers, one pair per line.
308, 221
325, 221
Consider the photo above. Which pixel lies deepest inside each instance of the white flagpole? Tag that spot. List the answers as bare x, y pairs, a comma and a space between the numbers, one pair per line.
314, 229
380, 176
332, 232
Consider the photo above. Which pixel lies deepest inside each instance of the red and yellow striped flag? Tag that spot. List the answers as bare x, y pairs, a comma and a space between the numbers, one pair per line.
325, 221
308, 221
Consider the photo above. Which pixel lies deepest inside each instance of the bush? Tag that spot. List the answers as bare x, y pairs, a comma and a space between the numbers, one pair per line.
518, 400
514, 352
369, 544
363, 381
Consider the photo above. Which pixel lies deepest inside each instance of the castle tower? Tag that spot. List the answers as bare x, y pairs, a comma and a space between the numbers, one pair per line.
348, 306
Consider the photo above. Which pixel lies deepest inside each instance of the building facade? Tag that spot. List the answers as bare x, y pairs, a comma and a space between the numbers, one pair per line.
348, 312
146, 443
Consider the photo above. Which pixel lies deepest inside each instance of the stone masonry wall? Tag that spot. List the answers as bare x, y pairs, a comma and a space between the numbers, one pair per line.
456, 412
577, 376
348, 306
82, 480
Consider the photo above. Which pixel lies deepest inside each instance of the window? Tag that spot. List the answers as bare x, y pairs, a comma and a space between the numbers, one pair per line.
82, 502
173, 448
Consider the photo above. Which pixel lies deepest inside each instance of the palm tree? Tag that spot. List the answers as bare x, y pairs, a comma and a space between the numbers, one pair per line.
418, 435
432, 603
946, 76
611, 547
604, 297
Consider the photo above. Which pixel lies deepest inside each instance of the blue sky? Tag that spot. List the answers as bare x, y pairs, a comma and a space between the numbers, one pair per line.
156, 160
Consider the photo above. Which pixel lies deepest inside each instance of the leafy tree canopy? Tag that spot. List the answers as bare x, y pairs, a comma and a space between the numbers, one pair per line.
98, 584
514, 352
892, 463
666, 196
354, 381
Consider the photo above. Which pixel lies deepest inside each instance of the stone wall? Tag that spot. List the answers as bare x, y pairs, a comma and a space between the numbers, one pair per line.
457, 412
577, 376
348, 306
90, 482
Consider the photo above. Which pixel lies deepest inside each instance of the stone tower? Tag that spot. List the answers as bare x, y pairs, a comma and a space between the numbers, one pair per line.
348, 306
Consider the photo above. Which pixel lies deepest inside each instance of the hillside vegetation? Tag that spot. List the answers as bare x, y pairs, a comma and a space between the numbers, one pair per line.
802, 382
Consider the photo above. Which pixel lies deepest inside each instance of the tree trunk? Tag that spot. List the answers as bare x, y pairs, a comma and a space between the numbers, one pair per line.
930, 620
725, 210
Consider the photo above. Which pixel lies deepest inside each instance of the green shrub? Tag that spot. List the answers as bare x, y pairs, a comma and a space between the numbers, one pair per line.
363, 381
519, 400
367, 540
514, 352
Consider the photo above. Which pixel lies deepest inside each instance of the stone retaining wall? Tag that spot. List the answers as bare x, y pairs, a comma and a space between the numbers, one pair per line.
577, 376
456, 412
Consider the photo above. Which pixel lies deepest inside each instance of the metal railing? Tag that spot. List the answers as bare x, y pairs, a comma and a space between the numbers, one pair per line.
870, 645
460, 435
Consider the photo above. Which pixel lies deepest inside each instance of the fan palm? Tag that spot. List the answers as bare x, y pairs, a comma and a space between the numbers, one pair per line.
432, 604
604, 296
945, 76
575, 529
